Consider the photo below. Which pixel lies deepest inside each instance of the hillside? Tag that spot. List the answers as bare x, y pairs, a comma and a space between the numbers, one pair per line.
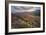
25, 20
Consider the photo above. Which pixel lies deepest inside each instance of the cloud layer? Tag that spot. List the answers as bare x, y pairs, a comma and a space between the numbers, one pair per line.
15, 9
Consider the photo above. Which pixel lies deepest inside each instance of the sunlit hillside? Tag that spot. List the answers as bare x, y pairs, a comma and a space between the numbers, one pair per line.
25, 20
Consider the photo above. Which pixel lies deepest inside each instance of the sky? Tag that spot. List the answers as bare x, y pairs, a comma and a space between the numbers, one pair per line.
15, 9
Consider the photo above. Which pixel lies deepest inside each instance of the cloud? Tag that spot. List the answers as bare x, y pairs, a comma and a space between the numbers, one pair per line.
15, 9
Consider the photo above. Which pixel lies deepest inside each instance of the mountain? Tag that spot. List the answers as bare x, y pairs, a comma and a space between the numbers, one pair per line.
25, 20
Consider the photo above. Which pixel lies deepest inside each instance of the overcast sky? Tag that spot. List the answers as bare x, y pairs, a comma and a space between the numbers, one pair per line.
15, 9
